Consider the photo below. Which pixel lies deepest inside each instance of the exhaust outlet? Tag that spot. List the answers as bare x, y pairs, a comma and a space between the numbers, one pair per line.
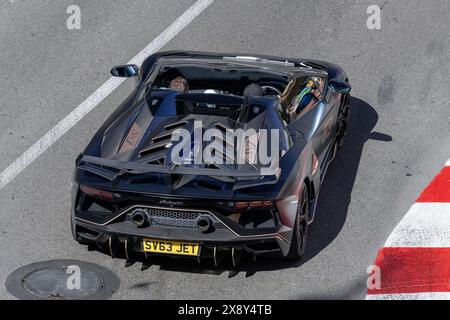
139, 218
205, 224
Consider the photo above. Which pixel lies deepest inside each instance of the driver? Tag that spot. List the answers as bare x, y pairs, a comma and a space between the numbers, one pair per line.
179, 84
299, 97
309, 96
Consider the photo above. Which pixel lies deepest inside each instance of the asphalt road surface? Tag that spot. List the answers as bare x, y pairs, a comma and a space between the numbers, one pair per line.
399, 133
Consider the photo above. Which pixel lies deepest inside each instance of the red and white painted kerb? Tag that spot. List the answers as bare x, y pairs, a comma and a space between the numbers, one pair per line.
415, 261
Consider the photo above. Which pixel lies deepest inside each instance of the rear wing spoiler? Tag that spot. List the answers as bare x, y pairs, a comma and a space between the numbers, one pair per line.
114, 169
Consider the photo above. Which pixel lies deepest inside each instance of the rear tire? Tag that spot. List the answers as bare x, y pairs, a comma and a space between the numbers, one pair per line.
344, 115
298, 244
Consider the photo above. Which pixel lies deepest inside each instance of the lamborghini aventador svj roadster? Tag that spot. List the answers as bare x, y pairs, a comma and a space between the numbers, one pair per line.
182, 167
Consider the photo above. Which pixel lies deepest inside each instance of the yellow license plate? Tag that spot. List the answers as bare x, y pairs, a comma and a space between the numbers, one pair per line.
171, 247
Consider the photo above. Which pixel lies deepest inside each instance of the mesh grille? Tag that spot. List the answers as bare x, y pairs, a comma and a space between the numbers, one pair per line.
177, 218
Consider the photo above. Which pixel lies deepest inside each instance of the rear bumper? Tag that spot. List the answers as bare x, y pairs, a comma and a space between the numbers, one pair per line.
117, 233
125, 238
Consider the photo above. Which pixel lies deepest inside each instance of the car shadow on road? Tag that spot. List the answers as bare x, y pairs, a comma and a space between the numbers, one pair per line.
333, 204
335, 196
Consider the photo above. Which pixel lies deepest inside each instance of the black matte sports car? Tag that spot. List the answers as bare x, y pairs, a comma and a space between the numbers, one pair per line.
131, 197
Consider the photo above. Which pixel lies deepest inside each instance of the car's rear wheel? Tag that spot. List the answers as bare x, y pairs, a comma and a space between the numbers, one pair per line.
344, 115
298, 244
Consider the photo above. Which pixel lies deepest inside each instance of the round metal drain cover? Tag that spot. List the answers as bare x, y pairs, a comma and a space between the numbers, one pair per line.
62, 280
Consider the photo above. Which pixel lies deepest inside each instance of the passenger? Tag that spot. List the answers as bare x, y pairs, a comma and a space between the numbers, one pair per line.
179, 84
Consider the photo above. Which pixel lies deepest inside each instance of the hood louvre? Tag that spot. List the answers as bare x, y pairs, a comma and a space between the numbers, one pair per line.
161, 143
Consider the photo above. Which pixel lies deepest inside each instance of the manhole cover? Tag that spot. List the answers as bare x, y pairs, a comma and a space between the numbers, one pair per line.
62, 279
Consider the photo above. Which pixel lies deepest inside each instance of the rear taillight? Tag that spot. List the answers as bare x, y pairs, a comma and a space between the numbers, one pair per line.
99, 194
251, 205
258, 204
241, 205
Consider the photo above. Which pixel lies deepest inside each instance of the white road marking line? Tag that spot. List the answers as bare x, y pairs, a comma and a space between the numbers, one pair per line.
447, 164
426, 225
411, 296
98, 96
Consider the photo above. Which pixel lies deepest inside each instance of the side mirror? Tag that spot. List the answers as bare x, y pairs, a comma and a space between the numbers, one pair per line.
126, 71
340, 86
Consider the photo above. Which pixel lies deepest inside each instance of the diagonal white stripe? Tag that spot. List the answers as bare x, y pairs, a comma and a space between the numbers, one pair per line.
411, 296
98, 96
426, 225
447, 164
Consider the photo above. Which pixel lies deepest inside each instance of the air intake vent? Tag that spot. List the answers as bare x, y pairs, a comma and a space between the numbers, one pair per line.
175, 125
155, 147
160, 143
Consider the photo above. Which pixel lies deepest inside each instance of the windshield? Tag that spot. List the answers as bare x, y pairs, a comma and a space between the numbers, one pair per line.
215, 78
